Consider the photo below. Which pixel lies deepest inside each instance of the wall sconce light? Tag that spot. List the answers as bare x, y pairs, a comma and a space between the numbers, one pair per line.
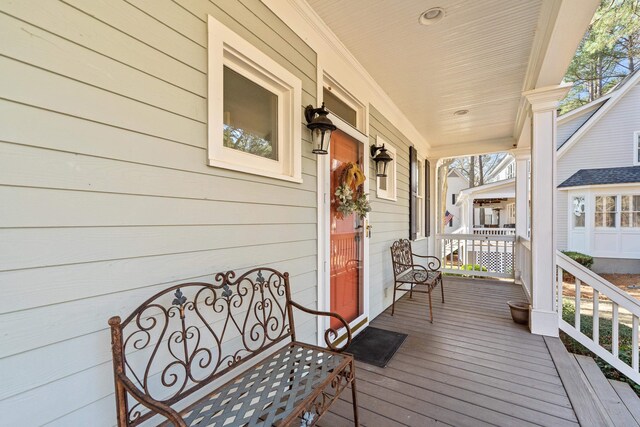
382, 159
320, 127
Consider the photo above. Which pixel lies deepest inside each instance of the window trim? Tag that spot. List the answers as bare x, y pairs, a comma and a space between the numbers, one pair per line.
420, 196
631, 212
226, 48
636, 148
584, 213
345, 96
391, 193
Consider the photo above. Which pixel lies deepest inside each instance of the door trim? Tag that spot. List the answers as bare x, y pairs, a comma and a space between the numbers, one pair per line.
323, 202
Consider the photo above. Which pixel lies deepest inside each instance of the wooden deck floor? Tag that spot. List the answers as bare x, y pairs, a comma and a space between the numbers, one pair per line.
472, 367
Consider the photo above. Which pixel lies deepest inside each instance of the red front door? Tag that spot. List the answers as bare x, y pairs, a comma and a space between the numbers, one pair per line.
346, 236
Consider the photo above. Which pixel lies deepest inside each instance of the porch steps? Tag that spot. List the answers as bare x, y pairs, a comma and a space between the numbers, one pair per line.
629, 397
613, 404
595, 400
588, 408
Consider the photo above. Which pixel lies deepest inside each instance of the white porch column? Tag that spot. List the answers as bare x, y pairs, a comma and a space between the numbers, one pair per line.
544, 101
522, 157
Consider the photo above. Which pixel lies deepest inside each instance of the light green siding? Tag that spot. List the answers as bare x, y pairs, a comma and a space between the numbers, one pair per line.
390, 219
106, 195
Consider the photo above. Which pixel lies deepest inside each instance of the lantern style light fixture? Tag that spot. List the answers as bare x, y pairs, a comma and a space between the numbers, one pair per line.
382, 159
321, 128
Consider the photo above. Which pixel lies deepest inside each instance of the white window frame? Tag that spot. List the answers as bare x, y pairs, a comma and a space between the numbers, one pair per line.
636, 148
391, 192
572, 214
345, 96
616, 211
631, 212
226, 48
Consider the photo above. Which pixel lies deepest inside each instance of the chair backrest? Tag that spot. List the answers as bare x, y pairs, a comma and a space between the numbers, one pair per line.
401, 256
188, 335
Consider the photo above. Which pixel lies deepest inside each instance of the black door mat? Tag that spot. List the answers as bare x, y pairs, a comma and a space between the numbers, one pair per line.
376, 346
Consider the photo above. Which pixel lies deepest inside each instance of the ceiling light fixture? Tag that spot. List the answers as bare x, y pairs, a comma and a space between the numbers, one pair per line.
431, 16
461, 112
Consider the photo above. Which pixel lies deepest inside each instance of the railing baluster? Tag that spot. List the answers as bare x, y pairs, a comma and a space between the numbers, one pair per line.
596, 317
577, 304
634, 344
614, 331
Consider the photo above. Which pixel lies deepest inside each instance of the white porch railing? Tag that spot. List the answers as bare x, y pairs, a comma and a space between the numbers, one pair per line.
493, 253
605, 294
523, 264
495, 231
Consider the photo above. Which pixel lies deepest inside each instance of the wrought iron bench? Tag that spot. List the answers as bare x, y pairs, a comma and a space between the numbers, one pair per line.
407, 272
174, 355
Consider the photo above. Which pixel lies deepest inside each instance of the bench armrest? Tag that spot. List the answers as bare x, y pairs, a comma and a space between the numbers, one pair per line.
434, 262
145, 400
329, 333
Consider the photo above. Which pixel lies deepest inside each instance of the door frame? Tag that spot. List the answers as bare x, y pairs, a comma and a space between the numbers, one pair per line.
324, 245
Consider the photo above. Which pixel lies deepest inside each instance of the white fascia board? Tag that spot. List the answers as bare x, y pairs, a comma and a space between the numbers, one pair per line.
613, 100
584, 109
334, 58
601, 186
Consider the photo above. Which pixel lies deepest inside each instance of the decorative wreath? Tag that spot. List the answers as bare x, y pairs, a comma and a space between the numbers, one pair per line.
350, 195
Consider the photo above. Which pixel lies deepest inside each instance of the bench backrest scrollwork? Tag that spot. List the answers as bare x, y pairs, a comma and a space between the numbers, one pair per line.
191, 334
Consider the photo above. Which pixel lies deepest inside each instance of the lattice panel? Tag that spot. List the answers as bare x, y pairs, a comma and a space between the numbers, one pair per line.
500, 262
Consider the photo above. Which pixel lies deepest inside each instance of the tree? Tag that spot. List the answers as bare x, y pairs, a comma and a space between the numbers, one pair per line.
609, 51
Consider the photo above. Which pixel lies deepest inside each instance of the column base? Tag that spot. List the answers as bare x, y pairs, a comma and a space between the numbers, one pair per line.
542, 322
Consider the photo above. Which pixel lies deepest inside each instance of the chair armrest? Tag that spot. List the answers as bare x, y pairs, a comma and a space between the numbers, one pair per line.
329, 333
151, 403
434, 263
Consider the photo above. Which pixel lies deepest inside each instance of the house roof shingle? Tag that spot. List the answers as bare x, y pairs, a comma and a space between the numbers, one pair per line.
623, 175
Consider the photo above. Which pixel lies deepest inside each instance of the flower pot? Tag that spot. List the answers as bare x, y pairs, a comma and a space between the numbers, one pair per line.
519, 311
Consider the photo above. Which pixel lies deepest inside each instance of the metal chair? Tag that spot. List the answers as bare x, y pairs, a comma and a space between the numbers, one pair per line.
407, 272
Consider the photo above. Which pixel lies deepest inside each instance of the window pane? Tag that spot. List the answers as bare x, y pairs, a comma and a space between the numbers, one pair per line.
598, 203
578, 221
636, 222
611, 203
626, 203
636, 203
599, 219
625, 219
250, 116
611, 219
339, 107
383, 183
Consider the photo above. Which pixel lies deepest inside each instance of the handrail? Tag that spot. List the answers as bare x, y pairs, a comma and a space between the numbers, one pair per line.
618, 298
600, 284
503, 238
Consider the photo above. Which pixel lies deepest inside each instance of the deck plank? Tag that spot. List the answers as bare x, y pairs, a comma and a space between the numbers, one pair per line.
471, 367
628, 396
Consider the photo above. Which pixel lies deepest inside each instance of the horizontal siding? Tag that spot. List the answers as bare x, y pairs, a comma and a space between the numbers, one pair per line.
609, 143
107, 196
390, 219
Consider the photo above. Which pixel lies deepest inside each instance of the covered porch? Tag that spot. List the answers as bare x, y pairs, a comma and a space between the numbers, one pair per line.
474, 367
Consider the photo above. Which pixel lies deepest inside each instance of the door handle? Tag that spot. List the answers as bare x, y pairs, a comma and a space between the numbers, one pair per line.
369, 227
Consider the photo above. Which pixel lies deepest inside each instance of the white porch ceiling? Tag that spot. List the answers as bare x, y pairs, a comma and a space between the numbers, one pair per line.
475, 59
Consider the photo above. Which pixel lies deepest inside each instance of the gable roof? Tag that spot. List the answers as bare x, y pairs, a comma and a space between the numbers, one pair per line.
573, 121
623, 175
612, 99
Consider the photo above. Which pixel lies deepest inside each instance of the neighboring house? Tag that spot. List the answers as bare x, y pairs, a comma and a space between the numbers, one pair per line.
598, 177
498, 201
455, 183
496, 198
506, 169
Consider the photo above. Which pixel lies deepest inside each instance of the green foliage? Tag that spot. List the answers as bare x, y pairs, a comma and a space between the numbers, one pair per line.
469, 267
582, 259
625, 337
608, 52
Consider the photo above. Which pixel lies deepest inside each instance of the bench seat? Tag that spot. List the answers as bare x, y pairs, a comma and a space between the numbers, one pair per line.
270, 392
